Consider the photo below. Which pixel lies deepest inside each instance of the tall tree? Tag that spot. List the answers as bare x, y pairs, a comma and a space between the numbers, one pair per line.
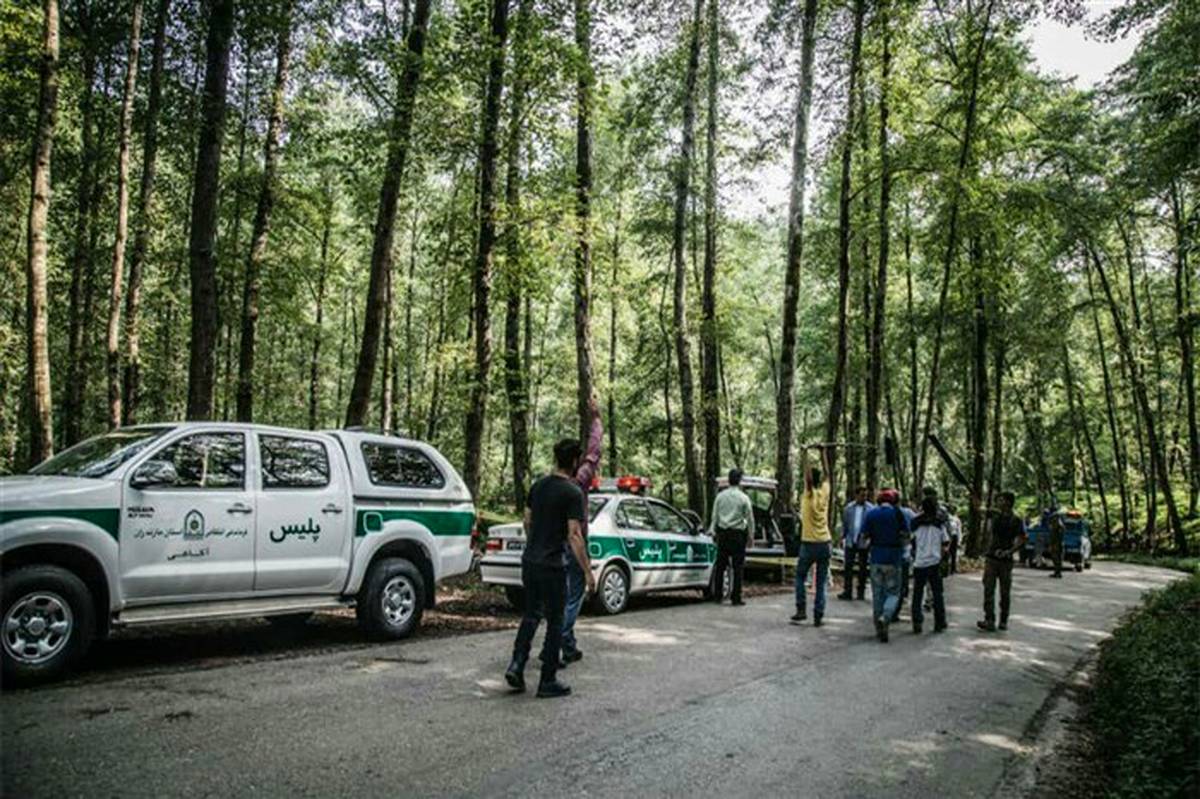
37, 316
141, 237
584, 82
1185, 320
709, 400
878, 326
481, 278
262, 217
786, 398
837, 394
683, 357
113, 355
202, 260
515, 377
385, 215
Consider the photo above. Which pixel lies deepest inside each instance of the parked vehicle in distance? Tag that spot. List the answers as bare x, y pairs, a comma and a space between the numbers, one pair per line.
157, 524
1077, 542
769, 540
637, 545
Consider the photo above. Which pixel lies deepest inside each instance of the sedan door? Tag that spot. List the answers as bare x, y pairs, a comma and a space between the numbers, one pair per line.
187, 526
687, 552
644, 545
303, 536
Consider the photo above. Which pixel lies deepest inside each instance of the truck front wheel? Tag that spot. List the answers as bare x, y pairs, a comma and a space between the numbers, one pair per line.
392, 599
48, 624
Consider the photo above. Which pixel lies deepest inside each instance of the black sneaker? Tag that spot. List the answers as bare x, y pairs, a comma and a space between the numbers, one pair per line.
553, 690
1003, 626
737, 602
986, 626
940, 628
917, 629
515, 679
574, 656
817, 621
844, 596
799, 617
883, 633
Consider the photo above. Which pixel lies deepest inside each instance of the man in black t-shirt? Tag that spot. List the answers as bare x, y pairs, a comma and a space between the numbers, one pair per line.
1007, 537
554, 517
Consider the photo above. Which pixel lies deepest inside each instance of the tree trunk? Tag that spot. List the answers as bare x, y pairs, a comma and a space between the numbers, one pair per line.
1075, 406
785, 397
201, 257
709, 399
37, 315
951, 252
72, 401
385, 217
482, 275
314, 366
584, 87
878, 326
683, 354
1184, 320
614, 460
515, 384
837, 393
113, 341
262, 219
979, 412
1157, 456
131, 384
389, 351
998, 366
1114, 429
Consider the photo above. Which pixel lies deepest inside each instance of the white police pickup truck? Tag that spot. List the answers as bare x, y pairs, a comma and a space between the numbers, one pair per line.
637, 545
157, 524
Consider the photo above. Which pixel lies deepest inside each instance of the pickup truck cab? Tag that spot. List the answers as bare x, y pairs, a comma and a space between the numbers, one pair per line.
1077, 542
157, 524
637, 545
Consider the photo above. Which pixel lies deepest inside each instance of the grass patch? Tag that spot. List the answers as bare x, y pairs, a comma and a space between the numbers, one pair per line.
1146, 705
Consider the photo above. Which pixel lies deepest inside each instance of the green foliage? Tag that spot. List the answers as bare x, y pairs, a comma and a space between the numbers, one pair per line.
1146, 708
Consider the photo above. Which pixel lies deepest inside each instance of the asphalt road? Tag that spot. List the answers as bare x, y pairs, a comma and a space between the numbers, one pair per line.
682, 700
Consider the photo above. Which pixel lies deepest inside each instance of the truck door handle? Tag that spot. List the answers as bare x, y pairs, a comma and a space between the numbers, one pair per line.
331, 508
239, 507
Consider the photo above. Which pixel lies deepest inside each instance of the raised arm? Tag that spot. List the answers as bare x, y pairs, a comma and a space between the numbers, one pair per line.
591, 455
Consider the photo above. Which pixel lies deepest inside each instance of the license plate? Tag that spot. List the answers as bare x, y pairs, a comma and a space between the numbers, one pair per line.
517, 545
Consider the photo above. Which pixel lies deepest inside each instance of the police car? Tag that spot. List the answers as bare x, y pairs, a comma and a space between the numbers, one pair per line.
158, 524
637, 545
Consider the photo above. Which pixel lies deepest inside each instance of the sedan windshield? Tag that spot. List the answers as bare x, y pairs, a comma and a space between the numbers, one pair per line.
98, 456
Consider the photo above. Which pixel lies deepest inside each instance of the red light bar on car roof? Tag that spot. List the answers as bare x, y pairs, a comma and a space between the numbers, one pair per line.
626, 484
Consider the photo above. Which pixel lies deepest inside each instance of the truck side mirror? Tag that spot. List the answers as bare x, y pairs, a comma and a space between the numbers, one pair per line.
154, 473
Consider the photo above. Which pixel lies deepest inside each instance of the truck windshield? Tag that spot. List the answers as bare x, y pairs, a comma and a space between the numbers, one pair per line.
98, 456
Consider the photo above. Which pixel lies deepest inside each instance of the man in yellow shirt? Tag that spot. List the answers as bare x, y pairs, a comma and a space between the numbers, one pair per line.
816, 541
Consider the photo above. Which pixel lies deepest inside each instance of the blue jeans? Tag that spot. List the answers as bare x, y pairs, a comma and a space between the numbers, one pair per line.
885, 590
811, 553
575, 586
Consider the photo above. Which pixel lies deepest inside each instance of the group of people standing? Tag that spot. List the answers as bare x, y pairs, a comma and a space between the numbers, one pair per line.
889, 544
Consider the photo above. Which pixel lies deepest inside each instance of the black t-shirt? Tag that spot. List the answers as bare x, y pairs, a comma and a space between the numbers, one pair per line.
1005, 530
553, 501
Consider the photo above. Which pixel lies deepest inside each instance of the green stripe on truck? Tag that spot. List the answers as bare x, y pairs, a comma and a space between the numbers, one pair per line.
438, 522
107, 519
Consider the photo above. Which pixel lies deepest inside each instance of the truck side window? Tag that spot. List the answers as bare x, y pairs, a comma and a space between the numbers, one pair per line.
293, 462
207, 460
405, 467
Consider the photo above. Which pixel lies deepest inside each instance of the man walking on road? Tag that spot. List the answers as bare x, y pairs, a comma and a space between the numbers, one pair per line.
553, 520
575, 577
886, 533
815, 541
1057, 531
1007, 536
732, 525
853, 516
931, 540
955, 530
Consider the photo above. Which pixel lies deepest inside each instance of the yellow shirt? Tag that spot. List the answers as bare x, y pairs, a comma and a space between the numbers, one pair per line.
814, 515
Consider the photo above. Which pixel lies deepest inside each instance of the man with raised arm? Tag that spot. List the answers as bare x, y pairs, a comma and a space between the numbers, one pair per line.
554, 518
584, 473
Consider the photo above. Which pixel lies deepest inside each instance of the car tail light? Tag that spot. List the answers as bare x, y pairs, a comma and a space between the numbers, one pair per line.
493, 545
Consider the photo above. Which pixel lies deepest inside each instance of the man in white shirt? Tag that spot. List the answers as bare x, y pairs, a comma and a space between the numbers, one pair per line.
930, 540
732, 525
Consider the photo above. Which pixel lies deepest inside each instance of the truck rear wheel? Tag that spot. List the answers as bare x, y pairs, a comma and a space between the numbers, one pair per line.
392, 599
48, 624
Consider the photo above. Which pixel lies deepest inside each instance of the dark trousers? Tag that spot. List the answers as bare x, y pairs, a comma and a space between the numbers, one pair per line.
905, 573
997, 571
1056, 551
731, 550
545, 597
931, 576
856, 559
953, 560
